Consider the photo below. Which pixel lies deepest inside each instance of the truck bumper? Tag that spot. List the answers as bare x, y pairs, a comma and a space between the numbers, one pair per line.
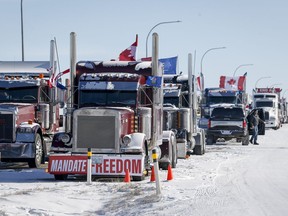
16, 151
226, 134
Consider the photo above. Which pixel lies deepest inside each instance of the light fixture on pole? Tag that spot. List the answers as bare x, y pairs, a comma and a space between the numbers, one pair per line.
242, 65
201, 65
161, 23
22, 35
268, 77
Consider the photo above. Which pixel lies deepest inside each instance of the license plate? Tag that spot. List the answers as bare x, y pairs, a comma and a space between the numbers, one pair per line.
226, 132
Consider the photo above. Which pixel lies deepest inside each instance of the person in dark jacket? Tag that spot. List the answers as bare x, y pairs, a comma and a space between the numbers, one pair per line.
254, 125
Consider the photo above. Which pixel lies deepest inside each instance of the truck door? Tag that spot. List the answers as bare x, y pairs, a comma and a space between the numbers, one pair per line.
261, 126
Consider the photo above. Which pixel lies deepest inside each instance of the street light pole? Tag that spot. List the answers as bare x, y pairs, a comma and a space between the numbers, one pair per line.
22, 35
275, 85
240, 67
206, 53
268, 77
161, 23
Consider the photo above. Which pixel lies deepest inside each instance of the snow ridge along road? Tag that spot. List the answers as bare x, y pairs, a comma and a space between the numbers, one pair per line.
230, 179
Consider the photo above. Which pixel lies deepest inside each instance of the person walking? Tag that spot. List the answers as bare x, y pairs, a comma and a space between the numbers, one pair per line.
254, 125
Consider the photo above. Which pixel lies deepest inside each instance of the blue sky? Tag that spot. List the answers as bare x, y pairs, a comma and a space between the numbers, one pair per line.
253, 32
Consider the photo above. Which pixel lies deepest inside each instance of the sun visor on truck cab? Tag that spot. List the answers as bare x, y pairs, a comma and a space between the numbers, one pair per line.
25, 68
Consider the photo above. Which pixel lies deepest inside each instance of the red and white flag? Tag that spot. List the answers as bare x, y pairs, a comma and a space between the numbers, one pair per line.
129, 54
200, 82
51, 79
61, 74
233, 83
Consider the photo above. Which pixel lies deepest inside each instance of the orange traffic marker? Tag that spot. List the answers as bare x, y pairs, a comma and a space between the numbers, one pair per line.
169, 174
152, 178
127, 176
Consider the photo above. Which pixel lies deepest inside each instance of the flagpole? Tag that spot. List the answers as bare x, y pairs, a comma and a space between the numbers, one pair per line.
161, 23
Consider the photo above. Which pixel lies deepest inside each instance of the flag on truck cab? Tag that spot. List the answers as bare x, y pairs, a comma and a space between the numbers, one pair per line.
200, 82
170, 65
154, 81
61, 74
129, 54
233, 83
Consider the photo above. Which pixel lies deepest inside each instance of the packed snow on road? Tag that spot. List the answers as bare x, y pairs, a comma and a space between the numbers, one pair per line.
229, 179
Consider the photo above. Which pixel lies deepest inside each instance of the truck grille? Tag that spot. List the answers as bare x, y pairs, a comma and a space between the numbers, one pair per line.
97, 132
266, 115
7, 127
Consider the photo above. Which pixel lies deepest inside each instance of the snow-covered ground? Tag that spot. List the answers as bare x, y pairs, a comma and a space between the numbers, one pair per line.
230, 179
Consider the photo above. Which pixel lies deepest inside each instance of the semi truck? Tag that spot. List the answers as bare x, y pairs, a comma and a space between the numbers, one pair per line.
29, 112
115, 109
180, 107
269, 100
215, 97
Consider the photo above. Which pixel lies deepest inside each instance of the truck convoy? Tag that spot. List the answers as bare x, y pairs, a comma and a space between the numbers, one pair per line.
180, 108
29, 113
115, 108
269, 100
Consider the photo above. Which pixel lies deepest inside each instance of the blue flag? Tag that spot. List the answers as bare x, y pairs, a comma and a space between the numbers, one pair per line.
60, 86
154, 81
170, 65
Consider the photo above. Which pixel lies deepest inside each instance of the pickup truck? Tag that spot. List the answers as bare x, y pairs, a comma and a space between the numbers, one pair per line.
228, 122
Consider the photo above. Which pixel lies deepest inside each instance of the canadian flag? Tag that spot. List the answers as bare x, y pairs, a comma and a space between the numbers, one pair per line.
129, 54
200, 82
233, 83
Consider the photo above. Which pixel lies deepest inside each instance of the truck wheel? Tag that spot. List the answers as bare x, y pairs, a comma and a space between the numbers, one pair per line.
199, 146
36, 162
198, 150
245, 140
174, 157
60, 177
138, 178
209, 140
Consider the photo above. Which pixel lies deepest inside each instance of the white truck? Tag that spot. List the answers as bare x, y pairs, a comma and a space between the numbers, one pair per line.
268, 100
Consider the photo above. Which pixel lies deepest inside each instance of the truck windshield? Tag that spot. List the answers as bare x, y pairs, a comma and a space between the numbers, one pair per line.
107, 98
172, 100
227, 113
19, 95
217, 100
264, 104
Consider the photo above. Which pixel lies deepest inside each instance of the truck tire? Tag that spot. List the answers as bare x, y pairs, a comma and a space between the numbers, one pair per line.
174, 156
209, 140
61, 177
199, 145
138, 178
198, 150
36, 162
245, 140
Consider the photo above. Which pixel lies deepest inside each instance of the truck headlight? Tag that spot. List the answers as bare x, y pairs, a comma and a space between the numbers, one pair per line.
65, 138
126, 140
25, 130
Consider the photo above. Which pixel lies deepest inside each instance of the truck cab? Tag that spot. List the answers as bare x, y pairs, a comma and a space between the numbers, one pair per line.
28, 115
269, 101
